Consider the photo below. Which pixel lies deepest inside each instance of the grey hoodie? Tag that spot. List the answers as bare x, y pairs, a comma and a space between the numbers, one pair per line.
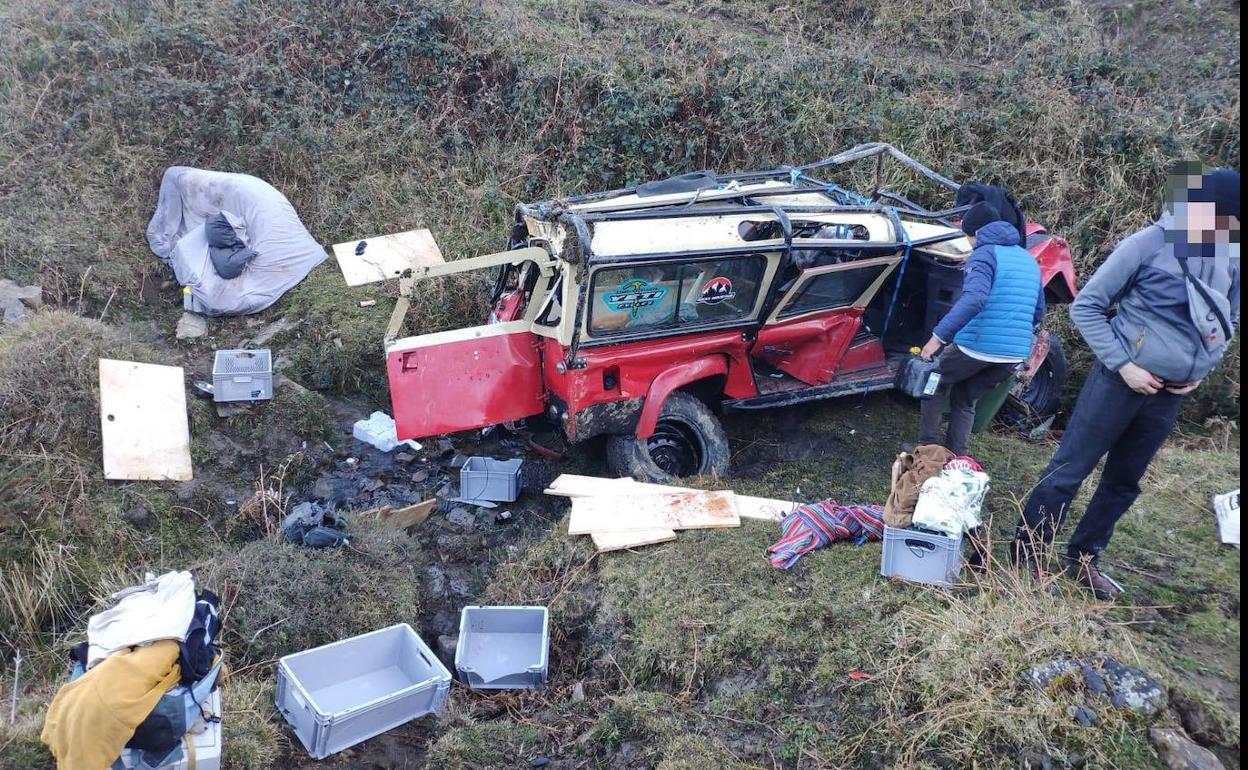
1162, 323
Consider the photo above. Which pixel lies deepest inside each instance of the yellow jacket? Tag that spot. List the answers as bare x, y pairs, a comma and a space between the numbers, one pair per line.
92, 717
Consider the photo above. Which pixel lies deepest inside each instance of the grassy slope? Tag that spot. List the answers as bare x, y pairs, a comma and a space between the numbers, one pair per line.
375, 119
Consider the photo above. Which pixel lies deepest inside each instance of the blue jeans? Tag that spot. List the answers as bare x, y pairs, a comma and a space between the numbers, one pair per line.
1111, 421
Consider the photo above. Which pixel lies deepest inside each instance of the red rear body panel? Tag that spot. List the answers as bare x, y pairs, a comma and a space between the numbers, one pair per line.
465, 384
1057, 268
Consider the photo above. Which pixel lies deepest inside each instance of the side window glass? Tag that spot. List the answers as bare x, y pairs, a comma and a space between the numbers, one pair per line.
839, 288
664, 296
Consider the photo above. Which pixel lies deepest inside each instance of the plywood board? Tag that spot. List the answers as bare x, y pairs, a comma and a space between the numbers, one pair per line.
386, 256
410, 516
571, 485
618, 541
685, 510
143, 422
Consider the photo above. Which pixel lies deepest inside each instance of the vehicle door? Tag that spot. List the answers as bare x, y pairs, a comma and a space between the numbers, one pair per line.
813, 323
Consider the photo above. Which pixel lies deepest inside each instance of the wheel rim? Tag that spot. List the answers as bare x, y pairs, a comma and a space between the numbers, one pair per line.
676, 448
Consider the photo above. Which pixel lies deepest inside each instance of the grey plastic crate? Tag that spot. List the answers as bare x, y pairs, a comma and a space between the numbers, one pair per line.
921, 557
346, 692
503, 648
242, 375
484, 478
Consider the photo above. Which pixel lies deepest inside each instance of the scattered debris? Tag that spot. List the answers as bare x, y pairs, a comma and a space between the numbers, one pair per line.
202, 389
578, 692
386, 256
242, 375
16, 302
407, 517
503, 648
1179, 752
143, 422
859, 676
310, 525
367, 302
379, 431
1125, 686
265, 335
191, 326
1226, 506
375, 682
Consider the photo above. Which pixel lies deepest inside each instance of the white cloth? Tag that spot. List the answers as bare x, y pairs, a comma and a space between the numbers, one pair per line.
952, 501
160, 608
285, 251
1227, 508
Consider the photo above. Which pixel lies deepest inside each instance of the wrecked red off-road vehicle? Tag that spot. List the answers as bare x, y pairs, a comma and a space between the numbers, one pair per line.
640, 314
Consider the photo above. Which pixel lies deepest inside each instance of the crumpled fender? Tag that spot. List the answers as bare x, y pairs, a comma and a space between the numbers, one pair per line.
673, 379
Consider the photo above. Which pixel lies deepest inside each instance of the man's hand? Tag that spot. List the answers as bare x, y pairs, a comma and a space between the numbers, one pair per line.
932, 347
1183, 390
1140, 380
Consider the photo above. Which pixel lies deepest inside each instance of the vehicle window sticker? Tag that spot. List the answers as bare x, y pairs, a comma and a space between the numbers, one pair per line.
635, 295
717, 290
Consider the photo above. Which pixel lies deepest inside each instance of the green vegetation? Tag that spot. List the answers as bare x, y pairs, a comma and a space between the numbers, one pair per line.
375, 118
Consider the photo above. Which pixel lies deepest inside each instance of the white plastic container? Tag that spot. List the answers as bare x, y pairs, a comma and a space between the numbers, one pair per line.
380, 431
484, 478
503, 648
242, 375
204, 739
346, 692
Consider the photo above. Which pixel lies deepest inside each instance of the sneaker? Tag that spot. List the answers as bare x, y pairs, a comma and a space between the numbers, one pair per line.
1086, 574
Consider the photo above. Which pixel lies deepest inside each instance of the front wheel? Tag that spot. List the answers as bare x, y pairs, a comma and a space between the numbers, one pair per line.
688, 441
1032, 403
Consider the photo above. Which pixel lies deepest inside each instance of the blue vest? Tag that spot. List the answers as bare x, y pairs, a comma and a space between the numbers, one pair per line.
1004, 327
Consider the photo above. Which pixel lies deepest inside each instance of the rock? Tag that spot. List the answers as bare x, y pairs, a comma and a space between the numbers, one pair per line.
539, 762
372, 485
1178, 752
447, 644
284, 383
323, 488
185, 490
445, 447
458, 462
437, 580
16, 302
578, 692
138, 517
459, 586
272, 330
419, 476
462, 518
1083, 715
190, 326
232, 409
1127, 687
404, 457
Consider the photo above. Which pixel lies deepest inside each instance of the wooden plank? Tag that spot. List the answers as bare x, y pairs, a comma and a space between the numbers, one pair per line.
143, 422
688, 510
410, 516
572, 485
386, 256
618, 541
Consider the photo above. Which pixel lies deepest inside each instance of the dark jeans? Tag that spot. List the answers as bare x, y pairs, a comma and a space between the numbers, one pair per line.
964, 380
1109, 419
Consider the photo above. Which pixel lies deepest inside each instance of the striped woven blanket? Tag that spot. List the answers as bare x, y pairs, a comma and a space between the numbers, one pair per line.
814, 526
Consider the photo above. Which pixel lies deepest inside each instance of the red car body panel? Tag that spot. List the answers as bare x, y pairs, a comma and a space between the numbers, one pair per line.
810, 348
465, 384
628, 370
1056, 264
672, 379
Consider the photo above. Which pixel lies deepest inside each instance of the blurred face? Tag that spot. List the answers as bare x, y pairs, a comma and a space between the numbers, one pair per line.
1203, 225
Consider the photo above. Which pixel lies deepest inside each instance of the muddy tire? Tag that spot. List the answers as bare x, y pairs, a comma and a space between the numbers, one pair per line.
688, 441
1031, 403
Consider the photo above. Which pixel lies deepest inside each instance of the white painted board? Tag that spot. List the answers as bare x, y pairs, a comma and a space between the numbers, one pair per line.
386, 256
143, 422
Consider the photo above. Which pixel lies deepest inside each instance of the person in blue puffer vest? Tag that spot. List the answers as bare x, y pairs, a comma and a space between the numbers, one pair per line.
991, 326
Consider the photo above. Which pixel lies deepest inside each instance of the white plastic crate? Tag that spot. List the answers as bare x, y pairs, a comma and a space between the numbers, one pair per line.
503, 648
921, 557
242, 375
346, 692
204, 739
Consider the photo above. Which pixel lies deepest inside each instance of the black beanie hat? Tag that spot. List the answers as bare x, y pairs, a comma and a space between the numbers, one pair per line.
977, 216
1221, 188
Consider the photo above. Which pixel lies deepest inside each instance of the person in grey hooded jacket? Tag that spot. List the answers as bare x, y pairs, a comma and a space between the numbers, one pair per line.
1158, 314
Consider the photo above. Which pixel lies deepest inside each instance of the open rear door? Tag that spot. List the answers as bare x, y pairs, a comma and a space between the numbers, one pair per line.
464, 379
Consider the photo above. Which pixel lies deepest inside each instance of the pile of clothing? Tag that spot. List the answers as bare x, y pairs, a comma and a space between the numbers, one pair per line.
818, 525
142, 680
935, 490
